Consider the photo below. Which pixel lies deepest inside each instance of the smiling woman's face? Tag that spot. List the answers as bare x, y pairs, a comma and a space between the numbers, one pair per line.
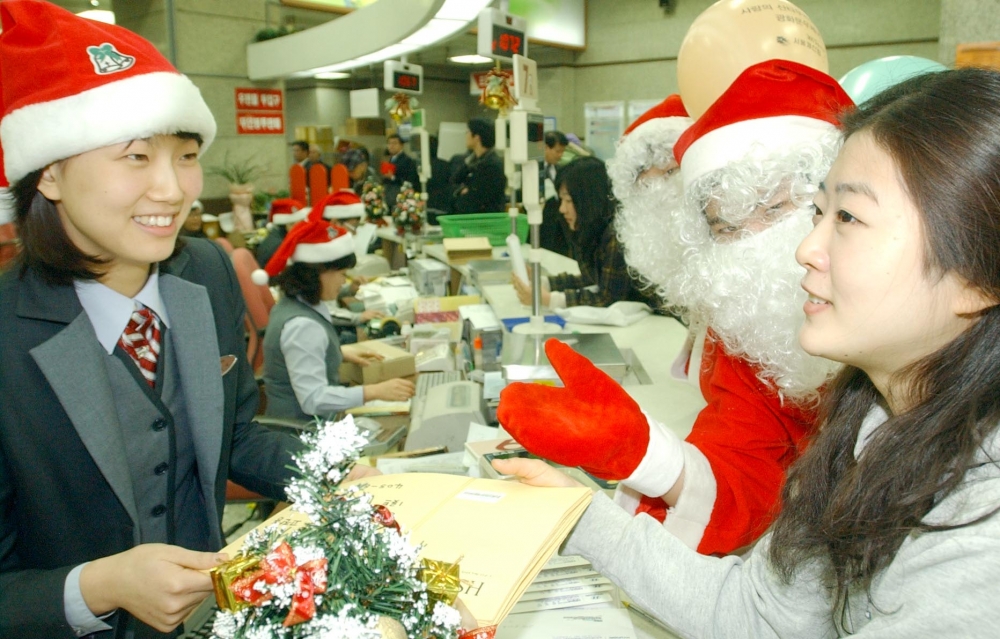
872, 301
126, 203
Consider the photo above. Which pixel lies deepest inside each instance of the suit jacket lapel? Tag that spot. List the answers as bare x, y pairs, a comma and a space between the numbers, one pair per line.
196, 345
72, 361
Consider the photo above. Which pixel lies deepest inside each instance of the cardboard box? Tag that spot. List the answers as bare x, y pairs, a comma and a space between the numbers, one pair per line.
397, 363
461, 250
429, 277
364, 126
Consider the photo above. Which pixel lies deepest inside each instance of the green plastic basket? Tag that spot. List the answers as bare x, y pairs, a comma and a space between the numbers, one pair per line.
495, 226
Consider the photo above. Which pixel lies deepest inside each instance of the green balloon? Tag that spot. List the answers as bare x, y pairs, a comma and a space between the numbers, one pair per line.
871, 78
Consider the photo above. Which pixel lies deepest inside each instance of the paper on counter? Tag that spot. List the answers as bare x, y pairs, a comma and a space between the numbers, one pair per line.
611, 623
563, 601
516, 259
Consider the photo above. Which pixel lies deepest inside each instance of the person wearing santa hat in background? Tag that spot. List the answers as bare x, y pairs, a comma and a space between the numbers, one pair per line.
282, 214
127, 400
302, 353
725, 259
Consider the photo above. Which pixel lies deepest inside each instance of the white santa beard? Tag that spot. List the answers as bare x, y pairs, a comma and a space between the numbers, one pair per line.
749, 292
647, 227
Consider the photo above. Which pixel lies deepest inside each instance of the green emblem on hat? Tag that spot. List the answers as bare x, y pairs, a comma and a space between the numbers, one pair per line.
106, 59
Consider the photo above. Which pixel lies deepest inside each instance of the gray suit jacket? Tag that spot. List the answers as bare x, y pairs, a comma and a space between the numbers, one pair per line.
65, 490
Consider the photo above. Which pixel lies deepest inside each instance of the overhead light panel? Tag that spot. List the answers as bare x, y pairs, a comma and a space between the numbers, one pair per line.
470, 59
332, 75
98, 15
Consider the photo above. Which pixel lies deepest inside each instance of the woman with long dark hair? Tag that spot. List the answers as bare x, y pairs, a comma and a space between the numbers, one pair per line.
888, 526
588, 210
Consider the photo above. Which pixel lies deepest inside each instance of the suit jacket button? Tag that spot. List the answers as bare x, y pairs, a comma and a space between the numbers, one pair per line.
161, 468
159, 425
158, 511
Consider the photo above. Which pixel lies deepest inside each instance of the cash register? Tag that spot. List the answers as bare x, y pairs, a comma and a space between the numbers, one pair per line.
442, 409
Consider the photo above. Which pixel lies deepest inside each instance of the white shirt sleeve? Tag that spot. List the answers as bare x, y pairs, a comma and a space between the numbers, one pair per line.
304, 343
78, 615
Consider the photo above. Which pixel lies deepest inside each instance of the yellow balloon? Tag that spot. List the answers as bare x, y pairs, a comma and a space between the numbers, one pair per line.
732, 35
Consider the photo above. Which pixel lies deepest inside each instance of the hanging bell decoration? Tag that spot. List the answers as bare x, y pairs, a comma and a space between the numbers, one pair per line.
496, 94
400, 107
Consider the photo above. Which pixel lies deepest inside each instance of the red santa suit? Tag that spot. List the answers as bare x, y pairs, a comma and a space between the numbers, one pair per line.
735, 457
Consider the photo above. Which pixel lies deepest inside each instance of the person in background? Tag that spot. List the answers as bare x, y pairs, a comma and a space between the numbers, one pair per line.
302, 353
316, 157
553, 231
300, 153
357, 163
282, 215
481, 183
438, 186
192, 225
588, 211
889, 524
401, 167
127, 401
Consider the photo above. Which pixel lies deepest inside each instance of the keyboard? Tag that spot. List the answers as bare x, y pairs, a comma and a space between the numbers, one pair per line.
427, 381
199, 624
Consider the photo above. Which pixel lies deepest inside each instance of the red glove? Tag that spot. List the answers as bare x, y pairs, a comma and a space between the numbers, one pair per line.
591, 422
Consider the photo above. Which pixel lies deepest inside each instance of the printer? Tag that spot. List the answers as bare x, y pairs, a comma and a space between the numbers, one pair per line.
442, 416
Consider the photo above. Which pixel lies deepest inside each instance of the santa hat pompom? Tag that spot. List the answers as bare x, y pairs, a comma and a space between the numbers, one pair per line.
260, 277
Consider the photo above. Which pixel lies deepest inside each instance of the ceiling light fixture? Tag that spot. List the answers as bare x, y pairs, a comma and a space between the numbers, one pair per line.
451, 17
470, 59
98, 15
332, 75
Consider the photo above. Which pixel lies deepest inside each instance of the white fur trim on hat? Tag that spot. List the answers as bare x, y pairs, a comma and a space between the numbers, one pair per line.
133, 108
344, 211
324, 252
733, 142
290, 218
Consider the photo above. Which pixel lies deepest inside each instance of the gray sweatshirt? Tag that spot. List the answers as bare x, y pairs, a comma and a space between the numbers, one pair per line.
942, 584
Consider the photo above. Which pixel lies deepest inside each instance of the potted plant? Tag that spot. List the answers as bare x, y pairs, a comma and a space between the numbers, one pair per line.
240, 174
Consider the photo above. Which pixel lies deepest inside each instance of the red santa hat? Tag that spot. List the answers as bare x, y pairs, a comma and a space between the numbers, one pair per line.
342, 205
772, 106
648, 141
663, 113
71, 85
314, 241
286, 211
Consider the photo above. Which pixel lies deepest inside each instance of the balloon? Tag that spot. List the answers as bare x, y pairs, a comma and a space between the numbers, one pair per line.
732, 35
865, 81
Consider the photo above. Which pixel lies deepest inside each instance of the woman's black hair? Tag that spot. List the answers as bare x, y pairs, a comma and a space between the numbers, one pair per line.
45, 246
586, 180
301, 280
942, 131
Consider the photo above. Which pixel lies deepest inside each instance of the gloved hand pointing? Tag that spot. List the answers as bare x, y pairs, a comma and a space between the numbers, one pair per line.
593, 423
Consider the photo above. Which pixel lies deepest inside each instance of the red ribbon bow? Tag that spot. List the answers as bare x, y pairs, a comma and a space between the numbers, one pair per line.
384, 517
279, 567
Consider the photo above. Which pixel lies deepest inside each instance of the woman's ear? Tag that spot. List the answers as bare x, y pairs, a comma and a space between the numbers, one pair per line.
48, 185
971, 301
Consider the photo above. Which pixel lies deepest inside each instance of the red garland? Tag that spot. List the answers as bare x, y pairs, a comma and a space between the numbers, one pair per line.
278, 567
488, 632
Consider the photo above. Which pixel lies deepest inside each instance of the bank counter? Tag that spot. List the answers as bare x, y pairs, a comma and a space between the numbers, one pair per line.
651, 346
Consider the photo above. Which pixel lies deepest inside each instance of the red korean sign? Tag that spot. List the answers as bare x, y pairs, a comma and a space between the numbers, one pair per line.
259, 111
259, 99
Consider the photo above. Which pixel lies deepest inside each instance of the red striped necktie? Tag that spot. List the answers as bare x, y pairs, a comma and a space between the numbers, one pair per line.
141, 340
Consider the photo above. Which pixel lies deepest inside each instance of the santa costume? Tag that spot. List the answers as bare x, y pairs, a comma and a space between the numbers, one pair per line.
742, 296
